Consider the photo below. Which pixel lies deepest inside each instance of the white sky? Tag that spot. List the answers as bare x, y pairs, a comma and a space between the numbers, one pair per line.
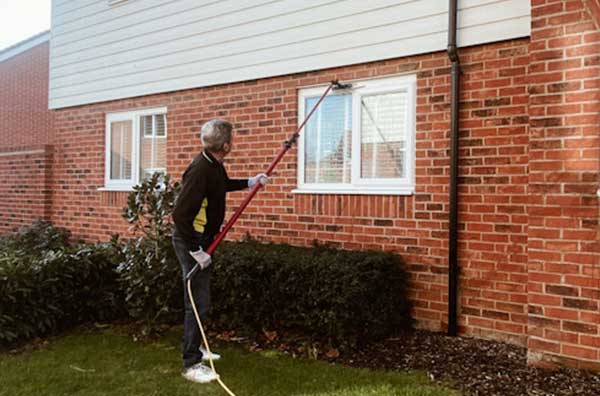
21, 19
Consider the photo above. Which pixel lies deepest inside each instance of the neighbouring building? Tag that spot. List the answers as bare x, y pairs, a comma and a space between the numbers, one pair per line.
26, 133
131, 82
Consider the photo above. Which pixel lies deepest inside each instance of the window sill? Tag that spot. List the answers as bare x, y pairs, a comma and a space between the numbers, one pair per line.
124, 188
357, 191
116, 188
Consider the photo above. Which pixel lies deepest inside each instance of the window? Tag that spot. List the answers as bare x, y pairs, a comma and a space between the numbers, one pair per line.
136, 147
360, 141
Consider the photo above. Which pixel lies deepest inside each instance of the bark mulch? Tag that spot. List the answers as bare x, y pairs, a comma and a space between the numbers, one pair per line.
476, 367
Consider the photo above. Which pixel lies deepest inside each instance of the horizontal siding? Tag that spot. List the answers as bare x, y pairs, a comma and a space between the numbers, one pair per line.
282, 33
99, 52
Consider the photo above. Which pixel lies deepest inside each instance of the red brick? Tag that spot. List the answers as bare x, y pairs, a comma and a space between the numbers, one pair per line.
545, 346
561, 336
562, 42
26, 126
590, 341
579, 73
25, 119
580, 352
565, 18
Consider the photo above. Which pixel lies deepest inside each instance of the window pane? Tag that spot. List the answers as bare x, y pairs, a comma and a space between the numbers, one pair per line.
161, 129
328, 137
153, 148
146, 125
120, 150
383, 136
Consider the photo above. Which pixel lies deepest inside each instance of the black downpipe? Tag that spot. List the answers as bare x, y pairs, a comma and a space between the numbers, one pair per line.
453, 269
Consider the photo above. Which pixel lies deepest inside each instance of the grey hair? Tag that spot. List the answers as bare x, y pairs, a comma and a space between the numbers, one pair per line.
215, 133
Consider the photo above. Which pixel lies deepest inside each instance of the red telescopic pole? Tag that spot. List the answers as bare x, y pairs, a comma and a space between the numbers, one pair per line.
286, 146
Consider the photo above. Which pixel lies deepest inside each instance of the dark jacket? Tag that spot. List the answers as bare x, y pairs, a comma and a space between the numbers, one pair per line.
200, 206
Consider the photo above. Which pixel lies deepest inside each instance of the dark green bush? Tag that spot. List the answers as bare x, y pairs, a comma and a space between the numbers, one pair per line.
35, 239
53, 290
340, 296
149, 272
150, 278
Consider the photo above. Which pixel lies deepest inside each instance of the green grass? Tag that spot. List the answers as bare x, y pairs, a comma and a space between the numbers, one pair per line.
107, 363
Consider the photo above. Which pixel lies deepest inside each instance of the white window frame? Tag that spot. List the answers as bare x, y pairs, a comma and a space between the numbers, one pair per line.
134, 117
358, 185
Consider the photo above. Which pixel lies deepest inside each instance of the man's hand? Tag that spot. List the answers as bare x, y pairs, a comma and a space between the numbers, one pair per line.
201, 257
261, 178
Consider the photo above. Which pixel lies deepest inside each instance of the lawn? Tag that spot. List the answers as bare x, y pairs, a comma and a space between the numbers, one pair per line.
108, 363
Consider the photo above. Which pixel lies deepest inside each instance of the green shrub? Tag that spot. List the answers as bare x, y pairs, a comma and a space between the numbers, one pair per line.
340, 296
44, 293
151, 281
35, 239
149, 272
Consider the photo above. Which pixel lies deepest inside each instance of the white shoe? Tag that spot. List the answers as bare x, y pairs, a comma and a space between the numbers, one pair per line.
200, 373
214, 356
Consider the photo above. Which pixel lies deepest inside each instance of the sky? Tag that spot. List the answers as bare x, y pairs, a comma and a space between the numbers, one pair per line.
21, 19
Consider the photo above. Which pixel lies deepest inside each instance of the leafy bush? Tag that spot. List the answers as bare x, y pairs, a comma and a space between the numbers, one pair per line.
149, 271
40, 294
327, 294
35, 239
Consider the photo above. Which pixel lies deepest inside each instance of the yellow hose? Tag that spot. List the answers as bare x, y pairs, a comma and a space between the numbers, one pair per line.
212, 365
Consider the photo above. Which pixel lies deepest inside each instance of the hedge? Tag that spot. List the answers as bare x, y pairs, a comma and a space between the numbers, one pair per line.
34, 239
336, 296
40, 295
327, 294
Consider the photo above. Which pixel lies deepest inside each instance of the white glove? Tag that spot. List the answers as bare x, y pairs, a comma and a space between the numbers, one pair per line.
202, 258
261, 178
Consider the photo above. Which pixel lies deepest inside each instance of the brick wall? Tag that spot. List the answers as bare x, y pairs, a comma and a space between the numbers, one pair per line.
564, 148
529, 237
24, 116
493, 194
26, 131
26, 174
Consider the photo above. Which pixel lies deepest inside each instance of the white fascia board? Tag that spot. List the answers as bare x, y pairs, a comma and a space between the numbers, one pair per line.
24, 46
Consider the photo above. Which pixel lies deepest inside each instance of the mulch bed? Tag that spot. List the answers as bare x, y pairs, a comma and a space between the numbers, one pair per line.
476, 367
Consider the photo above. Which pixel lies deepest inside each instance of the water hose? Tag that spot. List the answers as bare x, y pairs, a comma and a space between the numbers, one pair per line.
205, 340
286, 146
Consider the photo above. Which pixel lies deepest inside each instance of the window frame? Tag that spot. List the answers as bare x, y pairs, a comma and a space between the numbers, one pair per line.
358, 185
134, 116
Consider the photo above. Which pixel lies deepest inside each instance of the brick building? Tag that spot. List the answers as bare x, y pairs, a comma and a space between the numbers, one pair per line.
372, 168
26, 133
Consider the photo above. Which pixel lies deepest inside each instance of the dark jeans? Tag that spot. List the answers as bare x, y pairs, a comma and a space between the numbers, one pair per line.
192, 338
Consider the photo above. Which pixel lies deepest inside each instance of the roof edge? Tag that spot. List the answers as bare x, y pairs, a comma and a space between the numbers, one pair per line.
24, 45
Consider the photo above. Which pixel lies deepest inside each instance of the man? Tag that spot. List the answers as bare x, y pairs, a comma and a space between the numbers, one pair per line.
198, 216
